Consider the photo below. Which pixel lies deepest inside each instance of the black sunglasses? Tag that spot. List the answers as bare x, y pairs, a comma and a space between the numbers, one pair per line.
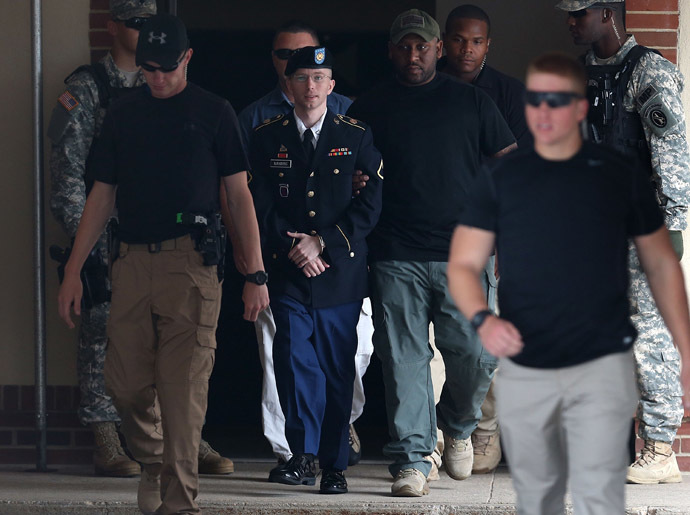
164, 69
134, 23
283, 53
553, 99
578, 14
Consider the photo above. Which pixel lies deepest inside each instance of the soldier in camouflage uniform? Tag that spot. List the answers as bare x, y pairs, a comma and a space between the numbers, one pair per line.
75, 122
653, 92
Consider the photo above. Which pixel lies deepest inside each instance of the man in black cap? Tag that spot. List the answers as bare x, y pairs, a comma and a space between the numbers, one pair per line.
314, 231
433, 132
162, 154
75, 125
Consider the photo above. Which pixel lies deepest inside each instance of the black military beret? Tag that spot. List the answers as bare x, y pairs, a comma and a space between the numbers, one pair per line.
309, 57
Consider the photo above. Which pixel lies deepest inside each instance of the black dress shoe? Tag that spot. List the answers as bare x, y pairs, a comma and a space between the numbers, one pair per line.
299, 470
278, 469
333, 482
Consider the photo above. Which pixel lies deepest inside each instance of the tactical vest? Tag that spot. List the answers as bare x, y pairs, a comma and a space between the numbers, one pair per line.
608, 121
106, 93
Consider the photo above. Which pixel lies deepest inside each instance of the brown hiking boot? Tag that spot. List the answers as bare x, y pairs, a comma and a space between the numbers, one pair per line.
656, 464
109, 459
210, 462
487, 452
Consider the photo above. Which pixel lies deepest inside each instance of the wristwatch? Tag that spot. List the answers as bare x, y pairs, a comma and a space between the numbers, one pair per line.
479, 317
259, 277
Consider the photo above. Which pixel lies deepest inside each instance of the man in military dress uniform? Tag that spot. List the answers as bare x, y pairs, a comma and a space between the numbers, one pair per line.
76, 122
651, 126
288, 38
314, 241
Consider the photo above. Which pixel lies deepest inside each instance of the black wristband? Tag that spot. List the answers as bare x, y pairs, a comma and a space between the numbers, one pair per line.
478, 319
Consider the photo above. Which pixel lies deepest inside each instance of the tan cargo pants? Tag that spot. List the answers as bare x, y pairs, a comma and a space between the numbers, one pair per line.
161, 341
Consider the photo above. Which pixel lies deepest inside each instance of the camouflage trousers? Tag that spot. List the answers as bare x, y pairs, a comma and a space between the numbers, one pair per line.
657, 362
95, 405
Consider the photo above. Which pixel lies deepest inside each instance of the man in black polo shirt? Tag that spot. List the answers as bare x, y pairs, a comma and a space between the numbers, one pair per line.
560, 216
161, 157
433, 133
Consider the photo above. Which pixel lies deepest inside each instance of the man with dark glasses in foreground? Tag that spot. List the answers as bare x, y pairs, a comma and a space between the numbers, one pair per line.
560, 216
635, 106
162, 154
75, 124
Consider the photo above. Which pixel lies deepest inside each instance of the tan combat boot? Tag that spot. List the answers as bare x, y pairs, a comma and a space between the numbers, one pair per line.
436, 462
149, 491
656, 464
410, 483
109, 459
458, 457
210, 462
487, 452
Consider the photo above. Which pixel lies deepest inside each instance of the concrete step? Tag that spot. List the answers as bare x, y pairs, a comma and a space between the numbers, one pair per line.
74, 490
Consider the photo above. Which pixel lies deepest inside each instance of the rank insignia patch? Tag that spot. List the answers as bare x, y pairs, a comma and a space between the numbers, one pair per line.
284, 190
340, 152
68, 101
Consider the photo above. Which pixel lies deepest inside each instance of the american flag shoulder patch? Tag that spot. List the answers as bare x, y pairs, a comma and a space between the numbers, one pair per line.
68, 101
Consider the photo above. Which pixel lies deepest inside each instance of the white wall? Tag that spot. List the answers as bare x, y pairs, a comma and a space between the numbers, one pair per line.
65, 42
521, 30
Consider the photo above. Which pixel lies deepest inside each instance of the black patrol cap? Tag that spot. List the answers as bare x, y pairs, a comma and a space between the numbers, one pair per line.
162, 39
309, 57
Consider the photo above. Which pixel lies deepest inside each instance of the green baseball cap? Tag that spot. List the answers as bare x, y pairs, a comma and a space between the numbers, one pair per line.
578, 5
414, 21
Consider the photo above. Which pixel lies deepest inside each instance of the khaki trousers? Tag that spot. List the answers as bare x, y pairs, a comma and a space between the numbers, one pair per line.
161, 350
567, 426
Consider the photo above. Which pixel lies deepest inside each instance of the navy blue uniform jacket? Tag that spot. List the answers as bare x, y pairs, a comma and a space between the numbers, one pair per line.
316, 198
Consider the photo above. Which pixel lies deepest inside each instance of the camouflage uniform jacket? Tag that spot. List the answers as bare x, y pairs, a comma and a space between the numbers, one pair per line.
72, 141
670, 157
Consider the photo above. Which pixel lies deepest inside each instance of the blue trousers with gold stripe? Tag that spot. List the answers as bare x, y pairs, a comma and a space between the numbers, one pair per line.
314, 358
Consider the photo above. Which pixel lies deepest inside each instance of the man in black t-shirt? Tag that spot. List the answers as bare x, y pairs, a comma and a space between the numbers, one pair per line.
560, 216
162, 154
433, 132
466, 41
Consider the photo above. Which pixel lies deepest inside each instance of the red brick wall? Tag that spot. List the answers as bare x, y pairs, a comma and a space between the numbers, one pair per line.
655, 24
68, 441
99, 38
